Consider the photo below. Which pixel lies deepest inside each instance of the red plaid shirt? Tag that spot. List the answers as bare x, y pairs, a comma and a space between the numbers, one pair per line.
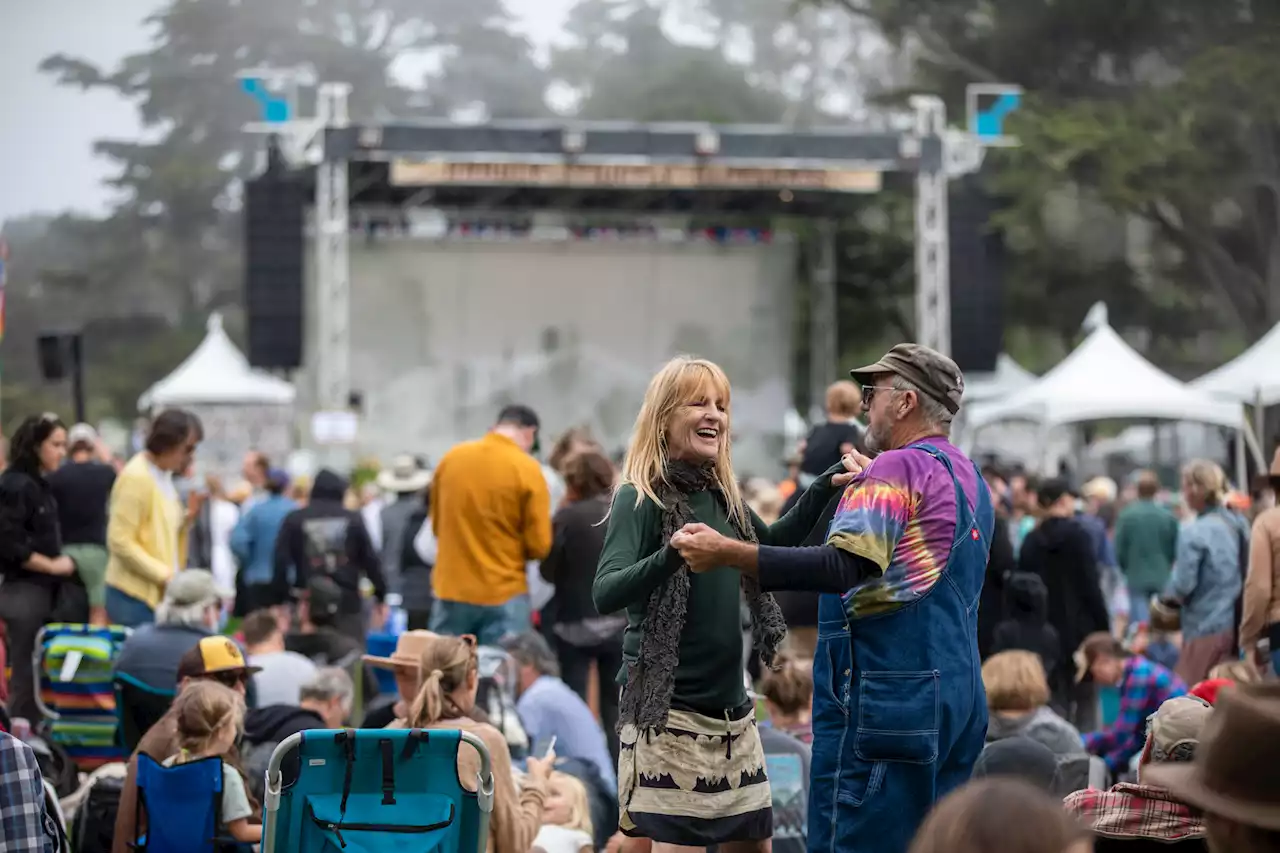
1135, 811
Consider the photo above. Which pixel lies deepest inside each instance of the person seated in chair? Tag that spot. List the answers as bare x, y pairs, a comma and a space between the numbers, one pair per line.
1141, 817
207, 719
324, 703
213, 659
317, 636
189, 612
26, 823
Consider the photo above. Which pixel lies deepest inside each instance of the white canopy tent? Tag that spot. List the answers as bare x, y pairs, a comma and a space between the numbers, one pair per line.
216, 373
1252, 377
240, 408
1106, 379
1007, 378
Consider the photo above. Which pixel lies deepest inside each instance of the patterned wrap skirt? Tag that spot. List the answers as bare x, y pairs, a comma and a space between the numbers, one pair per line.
700, 781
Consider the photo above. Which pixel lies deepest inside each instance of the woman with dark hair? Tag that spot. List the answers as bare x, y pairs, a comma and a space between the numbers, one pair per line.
147, 524
581, 634
38, 579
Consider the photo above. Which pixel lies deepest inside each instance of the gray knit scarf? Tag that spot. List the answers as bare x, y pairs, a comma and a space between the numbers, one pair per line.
646, 696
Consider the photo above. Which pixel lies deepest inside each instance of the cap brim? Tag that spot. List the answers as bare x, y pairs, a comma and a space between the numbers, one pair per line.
865, 375
251, 670
1187, 784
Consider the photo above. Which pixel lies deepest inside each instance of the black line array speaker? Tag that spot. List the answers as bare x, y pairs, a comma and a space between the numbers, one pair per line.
52, 351
977, 278
274, 275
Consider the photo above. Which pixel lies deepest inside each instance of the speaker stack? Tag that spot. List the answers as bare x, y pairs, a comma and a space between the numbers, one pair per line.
977, 279
275, 246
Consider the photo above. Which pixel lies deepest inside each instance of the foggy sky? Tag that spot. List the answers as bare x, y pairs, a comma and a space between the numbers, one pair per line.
47, 131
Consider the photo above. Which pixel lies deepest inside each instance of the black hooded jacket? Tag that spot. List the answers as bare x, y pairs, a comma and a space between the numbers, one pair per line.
1025, 625
326, 537
991, 606
1061, 553
274, 723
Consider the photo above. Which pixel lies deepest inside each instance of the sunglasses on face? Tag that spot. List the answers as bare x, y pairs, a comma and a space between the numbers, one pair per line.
231, 679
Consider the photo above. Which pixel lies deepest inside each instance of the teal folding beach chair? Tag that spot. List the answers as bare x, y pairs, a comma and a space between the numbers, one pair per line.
376, 791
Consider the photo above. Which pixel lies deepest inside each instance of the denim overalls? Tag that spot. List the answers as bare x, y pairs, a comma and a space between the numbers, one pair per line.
899, 712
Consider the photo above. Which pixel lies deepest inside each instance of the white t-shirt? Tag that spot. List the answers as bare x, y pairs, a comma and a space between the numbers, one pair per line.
167, 487
561, 839
282, 677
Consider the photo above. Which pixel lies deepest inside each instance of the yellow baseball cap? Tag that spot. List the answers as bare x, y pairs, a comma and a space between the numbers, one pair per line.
212, 655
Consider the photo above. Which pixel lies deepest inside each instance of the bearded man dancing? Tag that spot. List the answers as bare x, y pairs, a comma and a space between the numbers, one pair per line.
899, 712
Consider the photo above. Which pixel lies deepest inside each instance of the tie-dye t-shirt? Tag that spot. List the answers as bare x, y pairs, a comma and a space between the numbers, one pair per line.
900, 514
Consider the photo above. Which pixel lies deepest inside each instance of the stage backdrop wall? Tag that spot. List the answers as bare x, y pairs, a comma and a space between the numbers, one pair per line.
446, 332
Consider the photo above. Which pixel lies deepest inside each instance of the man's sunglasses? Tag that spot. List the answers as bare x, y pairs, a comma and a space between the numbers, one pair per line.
231, 679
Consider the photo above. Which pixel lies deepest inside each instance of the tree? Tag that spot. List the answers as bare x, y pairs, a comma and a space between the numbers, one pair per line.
623, 66
1160, 112
179, 188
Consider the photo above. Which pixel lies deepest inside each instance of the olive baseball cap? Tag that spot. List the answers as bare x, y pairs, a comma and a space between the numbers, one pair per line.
927, 369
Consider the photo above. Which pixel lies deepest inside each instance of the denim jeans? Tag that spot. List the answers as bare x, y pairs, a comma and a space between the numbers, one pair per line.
489, 623
128, 611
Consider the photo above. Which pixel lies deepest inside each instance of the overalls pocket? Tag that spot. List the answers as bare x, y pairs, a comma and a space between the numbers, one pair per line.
898, 716
832, 671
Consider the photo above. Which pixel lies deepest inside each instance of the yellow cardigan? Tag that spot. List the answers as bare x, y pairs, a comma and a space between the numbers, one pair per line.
146, 534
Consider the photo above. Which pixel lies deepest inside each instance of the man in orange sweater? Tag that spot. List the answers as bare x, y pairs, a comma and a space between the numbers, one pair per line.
491, 513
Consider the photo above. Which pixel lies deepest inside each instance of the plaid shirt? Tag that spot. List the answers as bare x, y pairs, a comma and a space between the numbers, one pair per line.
1135, 811
25, 827
1143, 689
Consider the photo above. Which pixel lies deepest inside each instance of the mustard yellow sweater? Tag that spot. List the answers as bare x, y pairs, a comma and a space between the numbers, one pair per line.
146, 536
491, 511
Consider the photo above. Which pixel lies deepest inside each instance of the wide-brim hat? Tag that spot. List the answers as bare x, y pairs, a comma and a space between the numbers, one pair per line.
404, 475
408, 651
1236, 772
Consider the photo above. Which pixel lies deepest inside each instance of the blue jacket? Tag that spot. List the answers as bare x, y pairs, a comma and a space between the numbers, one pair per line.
253, 542
1206, 573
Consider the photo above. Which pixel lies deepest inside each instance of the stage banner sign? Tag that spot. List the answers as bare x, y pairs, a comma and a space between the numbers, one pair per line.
636, 176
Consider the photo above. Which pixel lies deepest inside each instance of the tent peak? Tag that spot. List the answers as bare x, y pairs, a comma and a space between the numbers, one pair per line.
1096, 318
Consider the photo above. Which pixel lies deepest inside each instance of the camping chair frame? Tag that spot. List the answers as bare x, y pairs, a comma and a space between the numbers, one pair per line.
37, 666
275, 785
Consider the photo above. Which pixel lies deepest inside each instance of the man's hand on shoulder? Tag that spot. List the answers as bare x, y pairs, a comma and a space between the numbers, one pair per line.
854, 464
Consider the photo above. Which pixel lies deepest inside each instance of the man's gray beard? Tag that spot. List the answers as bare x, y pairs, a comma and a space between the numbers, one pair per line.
873, 442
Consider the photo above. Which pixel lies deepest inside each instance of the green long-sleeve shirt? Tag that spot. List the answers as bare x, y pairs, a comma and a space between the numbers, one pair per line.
635, 562
1146, 545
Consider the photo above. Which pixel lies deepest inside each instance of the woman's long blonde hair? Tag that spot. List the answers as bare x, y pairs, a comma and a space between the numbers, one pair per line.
676, 384
445, 664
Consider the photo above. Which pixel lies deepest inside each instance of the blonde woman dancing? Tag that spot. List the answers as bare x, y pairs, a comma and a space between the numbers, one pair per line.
691, 771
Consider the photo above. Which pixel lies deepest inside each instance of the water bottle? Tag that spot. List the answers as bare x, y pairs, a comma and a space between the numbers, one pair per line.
397, 618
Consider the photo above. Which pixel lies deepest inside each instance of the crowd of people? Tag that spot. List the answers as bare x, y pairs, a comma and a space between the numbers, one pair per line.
892, 649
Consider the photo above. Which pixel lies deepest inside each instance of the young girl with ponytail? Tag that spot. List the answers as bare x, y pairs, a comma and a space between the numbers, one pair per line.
209, 716
450, 677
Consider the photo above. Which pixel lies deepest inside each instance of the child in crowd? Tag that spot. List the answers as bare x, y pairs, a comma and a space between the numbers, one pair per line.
1161, 647
788, 697
566, 818
209, 716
